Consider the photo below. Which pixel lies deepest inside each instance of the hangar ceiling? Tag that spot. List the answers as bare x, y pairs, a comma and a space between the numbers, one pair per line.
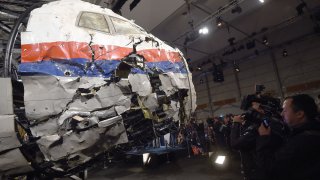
178, 21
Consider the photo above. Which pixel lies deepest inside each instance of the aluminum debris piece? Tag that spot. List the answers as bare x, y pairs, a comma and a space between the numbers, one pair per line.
140, 84
110, 121
69, 114
102, 114
150, 101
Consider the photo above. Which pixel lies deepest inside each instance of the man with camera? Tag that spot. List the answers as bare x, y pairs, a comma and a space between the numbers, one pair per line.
299, 156
244, 131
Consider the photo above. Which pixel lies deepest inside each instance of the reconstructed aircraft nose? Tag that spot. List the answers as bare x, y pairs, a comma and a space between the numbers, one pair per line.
94, 82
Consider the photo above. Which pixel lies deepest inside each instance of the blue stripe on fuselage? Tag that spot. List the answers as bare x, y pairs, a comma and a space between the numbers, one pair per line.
100, 68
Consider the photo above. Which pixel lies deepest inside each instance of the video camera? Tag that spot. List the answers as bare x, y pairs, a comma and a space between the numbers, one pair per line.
271, 107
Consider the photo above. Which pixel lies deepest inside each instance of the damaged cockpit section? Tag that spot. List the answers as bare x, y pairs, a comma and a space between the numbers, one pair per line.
90, 92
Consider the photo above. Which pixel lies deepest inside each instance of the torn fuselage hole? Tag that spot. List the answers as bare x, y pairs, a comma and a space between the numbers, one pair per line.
123, 70
135, 60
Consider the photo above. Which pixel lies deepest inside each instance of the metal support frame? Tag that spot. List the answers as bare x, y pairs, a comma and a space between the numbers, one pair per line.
16, 2
209, 94
5, 28
9, 11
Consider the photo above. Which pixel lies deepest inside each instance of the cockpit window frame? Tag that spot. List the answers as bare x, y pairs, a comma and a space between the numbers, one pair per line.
142, 31
110, 26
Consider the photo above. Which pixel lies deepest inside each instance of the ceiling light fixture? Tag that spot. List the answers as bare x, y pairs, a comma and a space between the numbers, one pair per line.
284, 53
262, 1
265, 40
236, 66
204, 30
219, 21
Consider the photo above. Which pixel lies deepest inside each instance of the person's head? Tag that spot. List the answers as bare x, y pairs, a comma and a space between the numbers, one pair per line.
298, 109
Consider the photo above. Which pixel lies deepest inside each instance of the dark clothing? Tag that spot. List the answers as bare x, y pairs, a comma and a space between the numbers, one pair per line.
219, 134
227, 135
201, 136
243, 138
297, 159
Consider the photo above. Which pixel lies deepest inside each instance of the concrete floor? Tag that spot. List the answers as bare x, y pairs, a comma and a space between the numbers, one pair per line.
179, 168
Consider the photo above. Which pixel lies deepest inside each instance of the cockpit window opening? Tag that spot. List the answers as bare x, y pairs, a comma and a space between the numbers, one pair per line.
125, 27
94, 21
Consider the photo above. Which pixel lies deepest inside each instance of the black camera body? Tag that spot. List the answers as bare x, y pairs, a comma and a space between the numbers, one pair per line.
271, 107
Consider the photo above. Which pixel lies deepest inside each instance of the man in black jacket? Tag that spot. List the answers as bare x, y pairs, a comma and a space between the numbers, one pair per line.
243, 138
299, 157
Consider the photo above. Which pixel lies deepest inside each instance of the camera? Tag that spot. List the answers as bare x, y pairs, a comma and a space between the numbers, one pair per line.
270, 106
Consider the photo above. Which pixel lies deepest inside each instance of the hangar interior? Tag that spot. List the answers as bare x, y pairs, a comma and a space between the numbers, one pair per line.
229, 46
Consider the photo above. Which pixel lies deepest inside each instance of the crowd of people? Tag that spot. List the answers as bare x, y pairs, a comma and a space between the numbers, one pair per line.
287, 146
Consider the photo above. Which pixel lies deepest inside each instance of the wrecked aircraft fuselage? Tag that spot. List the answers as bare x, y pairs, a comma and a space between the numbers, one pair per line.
94, 81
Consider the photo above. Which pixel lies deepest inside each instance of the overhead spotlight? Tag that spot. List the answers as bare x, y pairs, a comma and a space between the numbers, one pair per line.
262, 1
300, 7
237, 9
284, 53
236, 66
265, 40
204, 30
219, 21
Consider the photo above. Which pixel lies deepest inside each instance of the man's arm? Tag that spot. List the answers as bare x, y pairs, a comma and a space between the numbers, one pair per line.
240, 142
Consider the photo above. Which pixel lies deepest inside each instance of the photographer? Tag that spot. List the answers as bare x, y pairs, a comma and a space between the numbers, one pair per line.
299, 157
244, 131
243, 138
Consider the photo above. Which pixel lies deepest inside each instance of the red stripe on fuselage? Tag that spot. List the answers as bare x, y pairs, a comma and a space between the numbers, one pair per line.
71, 50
